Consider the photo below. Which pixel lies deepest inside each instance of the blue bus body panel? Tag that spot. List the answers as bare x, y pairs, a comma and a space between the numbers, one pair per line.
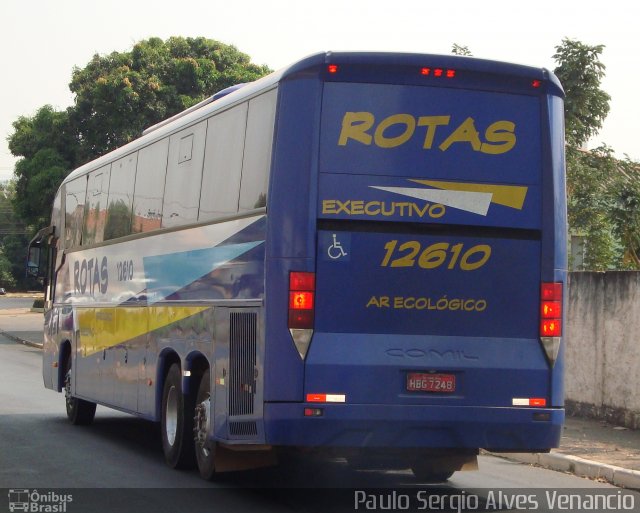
429, 292
427, 147
389, 425
423, 208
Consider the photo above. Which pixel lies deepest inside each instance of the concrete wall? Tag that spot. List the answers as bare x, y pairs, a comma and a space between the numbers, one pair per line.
603, 346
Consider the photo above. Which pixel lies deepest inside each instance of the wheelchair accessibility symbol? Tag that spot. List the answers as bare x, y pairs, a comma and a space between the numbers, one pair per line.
336, 247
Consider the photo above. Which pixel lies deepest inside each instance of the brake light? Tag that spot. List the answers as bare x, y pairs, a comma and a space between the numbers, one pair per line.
551, 319
551, 292
438, 72
551, 310
302, 288
332, 68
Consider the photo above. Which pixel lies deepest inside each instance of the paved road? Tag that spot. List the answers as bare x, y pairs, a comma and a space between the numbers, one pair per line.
7, 302
116, 464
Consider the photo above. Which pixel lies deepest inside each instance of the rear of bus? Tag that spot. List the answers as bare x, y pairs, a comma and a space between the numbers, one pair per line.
425, 263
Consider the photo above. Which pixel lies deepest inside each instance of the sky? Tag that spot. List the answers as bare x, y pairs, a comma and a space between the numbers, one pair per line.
41, 41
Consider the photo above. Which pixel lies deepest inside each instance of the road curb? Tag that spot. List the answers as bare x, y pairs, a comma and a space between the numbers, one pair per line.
30, 343
617, 476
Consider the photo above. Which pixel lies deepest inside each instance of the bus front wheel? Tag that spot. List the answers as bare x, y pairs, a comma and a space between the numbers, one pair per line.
79, 411
205, 449
177, 421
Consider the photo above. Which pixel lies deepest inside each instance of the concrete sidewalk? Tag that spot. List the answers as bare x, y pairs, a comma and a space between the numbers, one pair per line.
588, 448
22, 325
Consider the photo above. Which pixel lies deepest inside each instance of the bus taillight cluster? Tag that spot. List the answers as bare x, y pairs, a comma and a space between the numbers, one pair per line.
551, 310
302, 291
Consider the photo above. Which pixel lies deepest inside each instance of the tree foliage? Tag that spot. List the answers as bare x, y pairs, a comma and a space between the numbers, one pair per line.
13, 241
120, 94
457, 49
586, 105
116, 97
603, 192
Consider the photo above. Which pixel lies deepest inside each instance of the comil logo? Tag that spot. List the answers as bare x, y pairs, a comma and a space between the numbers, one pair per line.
37, 502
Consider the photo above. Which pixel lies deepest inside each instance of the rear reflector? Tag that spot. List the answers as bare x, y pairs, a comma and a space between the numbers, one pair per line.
326, 398
536, 402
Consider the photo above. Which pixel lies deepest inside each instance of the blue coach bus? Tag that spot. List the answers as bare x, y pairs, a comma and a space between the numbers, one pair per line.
363, 254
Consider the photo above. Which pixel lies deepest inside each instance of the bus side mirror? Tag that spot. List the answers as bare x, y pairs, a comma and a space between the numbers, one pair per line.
33, 262
37, 256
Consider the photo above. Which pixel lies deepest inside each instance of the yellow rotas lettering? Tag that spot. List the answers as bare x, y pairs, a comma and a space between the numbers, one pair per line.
398, 119
501, 133
355, 126
431, 122
466, 132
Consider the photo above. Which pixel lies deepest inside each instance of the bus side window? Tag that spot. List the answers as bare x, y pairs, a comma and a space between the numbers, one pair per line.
257, 153
96, 206
223, 163
184, 176
147, 198
76, 192
123, 175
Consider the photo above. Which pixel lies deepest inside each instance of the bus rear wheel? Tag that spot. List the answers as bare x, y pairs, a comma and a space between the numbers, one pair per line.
79, 411
177, 421
205, 449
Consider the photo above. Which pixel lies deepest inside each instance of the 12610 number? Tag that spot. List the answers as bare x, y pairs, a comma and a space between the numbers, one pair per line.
435, 255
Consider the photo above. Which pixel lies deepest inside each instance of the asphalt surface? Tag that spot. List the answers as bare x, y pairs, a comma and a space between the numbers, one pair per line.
589, 448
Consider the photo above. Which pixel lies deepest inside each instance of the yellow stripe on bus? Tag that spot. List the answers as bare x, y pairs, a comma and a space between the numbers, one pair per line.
101, 328
507, 195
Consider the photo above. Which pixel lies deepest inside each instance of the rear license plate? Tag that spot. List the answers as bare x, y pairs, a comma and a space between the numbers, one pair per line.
422, 382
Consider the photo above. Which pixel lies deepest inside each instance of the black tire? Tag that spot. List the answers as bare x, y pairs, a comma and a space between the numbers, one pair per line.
205, 450
177, 422
79, 411
427, 475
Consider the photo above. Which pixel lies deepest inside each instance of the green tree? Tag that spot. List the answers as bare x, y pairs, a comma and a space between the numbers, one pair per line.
586, 105
590, 175
625, 211
14, 249
6, 278
14, 240
457, 49
116, 97
48, 145
120, 94
38, 178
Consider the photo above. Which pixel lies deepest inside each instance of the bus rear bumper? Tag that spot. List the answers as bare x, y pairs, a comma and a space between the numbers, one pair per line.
379, 425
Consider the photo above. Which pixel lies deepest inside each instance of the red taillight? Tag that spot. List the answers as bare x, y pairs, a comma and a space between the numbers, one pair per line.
536, 84
332, 68
438, 72
300, 300
551, 328
551, 292
302, 288
302, 281
551, 310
